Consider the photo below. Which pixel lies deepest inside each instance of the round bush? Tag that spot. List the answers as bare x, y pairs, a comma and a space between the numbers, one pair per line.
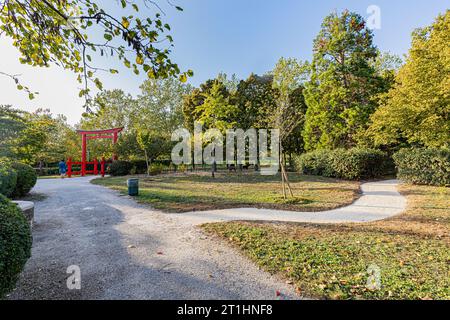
26, 179
15, 244
423, 166
8, 180
120, 168
315, 163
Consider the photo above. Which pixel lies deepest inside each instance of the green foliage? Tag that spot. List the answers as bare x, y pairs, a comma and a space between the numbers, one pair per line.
317, 163
138, 167
217, 111
332, 262
289, 76
416, 111
15, 244
120, 168
155, 114
12, 123
61, 31
35, 137
353, 164
26, 179
424, 166
344, 82
156, 168
8, 179
255, 99
152, 143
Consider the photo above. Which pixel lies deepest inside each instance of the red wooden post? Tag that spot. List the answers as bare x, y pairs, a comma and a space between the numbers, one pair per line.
95, 167
114, 142
83, 157
102, 167
69, 168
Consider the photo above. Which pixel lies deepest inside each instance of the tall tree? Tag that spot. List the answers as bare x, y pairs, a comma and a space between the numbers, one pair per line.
343, 83
160, 105
62, 32
192, 103
416, 111
256, 99
217, 111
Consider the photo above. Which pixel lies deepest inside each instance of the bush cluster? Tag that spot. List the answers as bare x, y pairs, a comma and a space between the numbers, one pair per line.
8, 179
26, 179
352, 164
16, 179
15, 244
423, 166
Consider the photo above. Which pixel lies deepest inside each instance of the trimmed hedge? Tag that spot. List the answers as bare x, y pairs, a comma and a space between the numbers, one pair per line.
8, 179
423, 166
353, 164
120, 168
26, 179
138, 167
124, 168
15, 244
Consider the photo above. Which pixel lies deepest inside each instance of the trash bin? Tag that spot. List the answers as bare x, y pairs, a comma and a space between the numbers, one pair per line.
133, 187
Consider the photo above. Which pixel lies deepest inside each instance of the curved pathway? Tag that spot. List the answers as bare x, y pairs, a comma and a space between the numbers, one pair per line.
379, 200
128, 251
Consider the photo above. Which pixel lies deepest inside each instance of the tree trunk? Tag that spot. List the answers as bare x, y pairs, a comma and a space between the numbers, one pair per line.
147, 162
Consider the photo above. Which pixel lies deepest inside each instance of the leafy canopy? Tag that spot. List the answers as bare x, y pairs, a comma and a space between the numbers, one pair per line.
65, 33
343, 83
416, 111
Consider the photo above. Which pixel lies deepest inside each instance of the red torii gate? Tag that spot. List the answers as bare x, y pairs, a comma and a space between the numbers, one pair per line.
93, 135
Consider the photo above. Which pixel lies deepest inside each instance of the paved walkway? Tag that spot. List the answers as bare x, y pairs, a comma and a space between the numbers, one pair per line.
128, 251
380, 200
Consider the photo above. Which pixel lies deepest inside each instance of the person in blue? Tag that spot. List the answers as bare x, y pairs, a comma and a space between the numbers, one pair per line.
62, 168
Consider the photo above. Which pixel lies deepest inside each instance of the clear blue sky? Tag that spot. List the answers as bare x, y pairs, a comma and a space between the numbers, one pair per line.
232, 36
244, 36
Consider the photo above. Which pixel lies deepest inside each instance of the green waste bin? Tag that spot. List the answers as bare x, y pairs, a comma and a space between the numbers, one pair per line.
133, 187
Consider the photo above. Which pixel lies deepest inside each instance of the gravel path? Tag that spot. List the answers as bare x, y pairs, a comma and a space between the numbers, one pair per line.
128, 251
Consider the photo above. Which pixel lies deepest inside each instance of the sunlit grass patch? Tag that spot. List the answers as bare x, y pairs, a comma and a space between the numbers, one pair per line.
194, 192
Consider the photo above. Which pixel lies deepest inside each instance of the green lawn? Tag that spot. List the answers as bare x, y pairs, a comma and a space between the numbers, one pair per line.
331, 261
194, 192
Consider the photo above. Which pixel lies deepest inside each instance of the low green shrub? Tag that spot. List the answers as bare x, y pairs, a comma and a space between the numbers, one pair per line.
423, 166
8, 179
353, 164
315, 163
15, 244
156, 168
26, 179
120, 168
